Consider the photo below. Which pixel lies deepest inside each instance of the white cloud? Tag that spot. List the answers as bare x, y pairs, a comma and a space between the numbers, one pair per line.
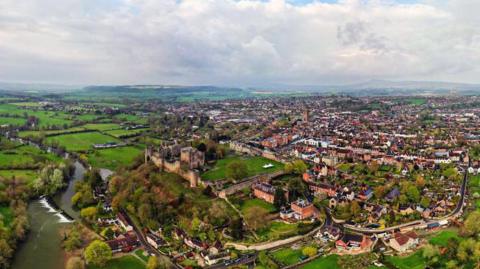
237, 42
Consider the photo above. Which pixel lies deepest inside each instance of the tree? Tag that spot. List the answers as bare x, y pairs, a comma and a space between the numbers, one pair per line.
471, 226
266, 261
425, 202
309, 251
236, 228
98, 253
236, 170
75, 263
153, 263
89, 213
420, 181
73, 240
431, 254
296, 188
413, 194
355, 208
280, 199
256, 217
379, 192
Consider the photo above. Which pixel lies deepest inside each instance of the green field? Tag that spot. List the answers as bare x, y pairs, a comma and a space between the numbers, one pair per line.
114, 157
27, 104
287, 256
12, 121
325, 262
125, 262
122, 132
81, 141
254, 166
24, 156
414, 261
28, 175
131, 118
102, 126
441, 238
416, 101
24, 134
257, 202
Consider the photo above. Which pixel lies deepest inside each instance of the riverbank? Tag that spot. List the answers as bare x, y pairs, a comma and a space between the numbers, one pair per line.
42, 247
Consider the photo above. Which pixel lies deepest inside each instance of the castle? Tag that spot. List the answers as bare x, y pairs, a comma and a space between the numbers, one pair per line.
184, 162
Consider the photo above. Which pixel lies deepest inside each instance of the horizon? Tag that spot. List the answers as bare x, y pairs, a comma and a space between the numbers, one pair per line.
240, 43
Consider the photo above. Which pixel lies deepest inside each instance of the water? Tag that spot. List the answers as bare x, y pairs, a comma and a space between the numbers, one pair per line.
64, 199
42, 248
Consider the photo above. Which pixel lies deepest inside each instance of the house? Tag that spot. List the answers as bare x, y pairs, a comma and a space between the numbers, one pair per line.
124, 243
286, 214
303, 209
366, 194
211, 259
124, 223
155, 240
264, 191
322, 188
195, 243
352, 242
392, 195
402, 242
329, 233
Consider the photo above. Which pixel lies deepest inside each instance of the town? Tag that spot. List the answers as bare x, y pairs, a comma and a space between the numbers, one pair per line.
276, 182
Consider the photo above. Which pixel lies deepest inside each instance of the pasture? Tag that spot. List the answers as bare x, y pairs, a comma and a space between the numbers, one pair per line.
81, 141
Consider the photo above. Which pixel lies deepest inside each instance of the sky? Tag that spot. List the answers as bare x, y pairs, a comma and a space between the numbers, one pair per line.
238, 42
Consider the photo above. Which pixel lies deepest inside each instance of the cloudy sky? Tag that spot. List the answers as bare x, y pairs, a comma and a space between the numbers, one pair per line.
238, 42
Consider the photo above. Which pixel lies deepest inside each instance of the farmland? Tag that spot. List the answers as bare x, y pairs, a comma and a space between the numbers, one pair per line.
114, 157
81, 141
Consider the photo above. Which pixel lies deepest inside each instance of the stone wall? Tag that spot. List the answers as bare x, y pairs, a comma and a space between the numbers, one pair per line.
248, 183
175, 167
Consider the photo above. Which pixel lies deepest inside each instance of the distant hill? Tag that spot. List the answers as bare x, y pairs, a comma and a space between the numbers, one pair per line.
37, 87
165, 92
384, 87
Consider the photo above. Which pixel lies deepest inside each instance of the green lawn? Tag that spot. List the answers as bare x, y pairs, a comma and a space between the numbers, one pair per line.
325, 262
114, 157
277, 230
254, 166
81, 141
141, 254
12, 121
287, 256
416, 101
125, 262
6, 215
441, 238
414, 261
257, 202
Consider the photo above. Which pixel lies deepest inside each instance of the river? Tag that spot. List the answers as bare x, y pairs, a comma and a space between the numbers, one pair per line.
42, 248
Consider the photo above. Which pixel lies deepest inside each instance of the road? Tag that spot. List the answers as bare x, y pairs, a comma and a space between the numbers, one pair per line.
144, 242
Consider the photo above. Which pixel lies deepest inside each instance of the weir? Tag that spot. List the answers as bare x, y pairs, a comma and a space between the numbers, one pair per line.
49, 204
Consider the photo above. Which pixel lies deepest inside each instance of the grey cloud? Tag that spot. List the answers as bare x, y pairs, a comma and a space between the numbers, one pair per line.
236, 42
